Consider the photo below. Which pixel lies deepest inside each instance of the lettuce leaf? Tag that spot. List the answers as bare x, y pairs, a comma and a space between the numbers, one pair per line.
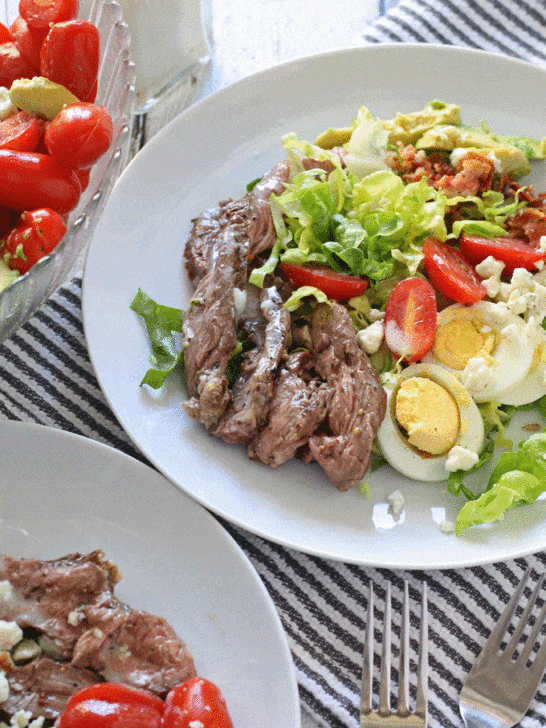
161, 322
518, 477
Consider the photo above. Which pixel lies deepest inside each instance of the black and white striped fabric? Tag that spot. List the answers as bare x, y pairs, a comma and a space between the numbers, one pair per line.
46, 378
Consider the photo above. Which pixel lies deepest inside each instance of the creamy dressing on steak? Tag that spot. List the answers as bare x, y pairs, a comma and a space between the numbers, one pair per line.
96, 637
320, 399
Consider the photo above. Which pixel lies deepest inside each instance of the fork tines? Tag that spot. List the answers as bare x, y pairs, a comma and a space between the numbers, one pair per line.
384, 716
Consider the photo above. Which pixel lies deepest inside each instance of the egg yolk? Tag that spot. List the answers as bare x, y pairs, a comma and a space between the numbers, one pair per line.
461, 339
429, 414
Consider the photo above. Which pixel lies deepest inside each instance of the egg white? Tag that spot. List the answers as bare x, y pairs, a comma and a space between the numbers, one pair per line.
407, 459
509, 363
533, 386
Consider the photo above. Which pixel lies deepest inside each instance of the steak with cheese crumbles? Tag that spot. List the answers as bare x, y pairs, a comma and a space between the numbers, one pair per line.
79, 633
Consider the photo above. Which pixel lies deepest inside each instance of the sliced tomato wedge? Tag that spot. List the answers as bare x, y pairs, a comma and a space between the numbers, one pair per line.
410, 319
451, 274
22, 132
339, 286
513, 252
5, 35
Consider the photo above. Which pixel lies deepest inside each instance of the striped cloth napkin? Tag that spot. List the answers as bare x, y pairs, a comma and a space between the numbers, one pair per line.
46, 378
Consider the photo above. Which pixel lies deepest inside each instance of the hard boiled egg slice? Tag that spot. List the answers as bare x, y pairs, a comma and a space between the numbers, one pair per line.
430, 419
486, 346
534, 385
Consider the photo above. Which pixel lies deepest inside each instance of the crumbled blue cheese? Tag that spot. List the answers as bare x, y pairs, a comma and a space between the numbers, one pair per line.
396, 502
6, 591
4, 687
22, 719
196, 724
10, 634
461, 458
447, 527
490, 270
371, 338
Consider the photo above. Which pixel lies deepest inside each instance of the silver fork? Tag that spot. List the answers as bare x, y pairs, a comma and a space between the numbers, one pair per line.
500, 686
384, 717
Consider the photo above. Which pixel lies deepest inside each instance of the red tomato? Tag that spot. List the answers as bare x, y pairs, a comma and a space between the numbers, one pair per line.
111, 705
14, 65
339, 286
28, 40
42, 13
70, 56
513, 252
410, 319
35, 235
196, 700
31, 180
451, 274
22, 132
5, 221
5, 35
79, 135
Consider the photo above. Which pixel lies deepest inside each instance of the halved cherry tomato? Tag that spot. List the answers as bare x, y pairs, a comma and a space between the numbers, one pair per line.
111, 705
31, 180
196, 702
513, 252
451, 274
28, 40
79, 135
70, 56
410, 319
42, 13
14, 65
339, 286
36, 234
5, 35
22, 132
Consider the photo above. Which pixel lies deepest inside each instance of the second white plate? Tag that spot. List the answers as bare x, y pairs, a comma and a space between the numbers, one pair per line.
210, 153
61, 493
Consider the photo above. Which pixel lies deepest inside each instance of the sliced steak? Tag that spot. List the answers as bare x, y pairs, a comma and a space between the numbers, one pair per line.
71, 600
299, 405
358, 401
210, 332
46, 593
253, 390
262, 234
133, 647
43, 687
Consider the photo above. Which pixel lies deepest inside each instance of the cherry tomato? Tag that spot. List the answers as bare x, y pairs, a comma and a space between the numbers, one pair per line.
5, 35
31, 180
111, 705
339, 286
13, 65
79, 135
513, 252
410, 319
197, 701
70, 56
5, 221
22, 132
28, 40
451, 274
42, 13
35, 235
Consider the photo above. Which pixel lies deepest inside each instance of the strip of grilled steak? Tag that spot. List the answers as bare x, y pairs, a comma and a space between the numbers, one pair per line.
262, 234
43, 687
210, 331
299, 405
358, 401
71, 601
253, 390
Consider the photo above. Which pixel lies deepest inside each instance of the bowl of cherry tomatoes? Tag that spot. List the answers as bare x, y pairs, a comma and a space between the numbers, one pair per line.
66, 101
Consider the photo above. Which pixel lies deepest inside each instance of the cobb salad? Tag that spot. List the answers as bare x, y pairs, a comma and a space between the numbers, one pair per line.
420, 232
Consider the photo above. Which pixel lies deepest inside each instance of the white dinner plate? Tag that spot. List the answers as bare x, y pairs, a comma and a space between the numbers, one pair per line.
209, 154
62, 493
